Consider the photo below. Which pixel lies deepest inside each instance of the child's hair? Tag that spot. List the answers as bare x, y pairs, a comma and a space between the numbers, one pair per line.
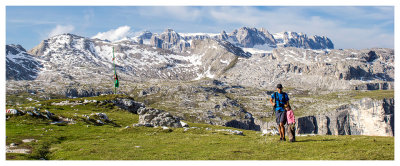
288, 106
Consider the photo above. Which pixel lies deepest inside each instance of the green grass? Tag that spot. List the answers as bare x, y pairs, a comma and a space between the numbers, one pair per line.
376, 94
83, 141
78, 142
357, 94
22, 98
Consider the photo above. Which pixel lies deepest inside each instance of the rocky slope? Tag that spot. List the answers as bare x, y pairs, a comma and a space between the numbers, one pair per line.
20, 65
367, 69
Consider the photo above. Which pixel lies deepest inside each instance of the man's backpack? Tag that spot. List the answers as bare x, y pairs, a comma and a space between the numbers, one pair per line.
280, 103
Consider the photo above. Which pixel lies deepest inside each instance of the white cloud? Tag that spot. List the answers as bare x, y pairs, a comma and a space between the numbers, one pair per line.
114, 34
60, 29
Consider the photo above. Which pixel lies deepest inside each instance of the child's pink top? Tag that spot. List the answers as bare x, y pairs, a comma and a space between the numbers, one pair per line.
290, 117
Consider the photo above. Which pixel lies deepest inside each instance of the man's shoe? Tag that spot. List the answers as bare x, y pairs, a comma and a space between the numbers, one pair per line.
280, 139
284, 139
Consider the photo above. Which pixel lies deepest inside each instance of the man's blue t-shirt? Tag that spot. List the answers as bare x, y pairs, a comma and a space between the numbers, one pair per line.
280, 95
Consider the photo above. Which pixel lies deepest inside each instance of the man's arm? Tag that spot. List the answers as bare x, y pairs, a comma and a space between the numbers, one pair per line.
270, 100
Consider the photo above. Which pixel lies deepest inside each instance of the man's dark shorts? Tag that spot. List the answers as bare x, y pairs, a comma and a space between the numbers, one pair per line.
280, 117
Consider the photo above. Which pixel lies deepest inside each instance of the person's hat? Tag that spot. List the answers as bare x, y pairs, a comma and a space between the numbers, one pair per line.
279, 86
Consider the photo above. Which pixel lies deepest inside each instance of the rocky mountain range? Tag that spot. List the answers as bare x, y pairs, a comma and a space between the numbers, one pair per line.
201, 77
244, 37
70, 59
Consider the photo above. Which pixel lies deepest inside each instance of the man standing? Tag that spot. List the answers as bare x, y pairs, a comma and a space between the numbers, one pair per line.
281, 98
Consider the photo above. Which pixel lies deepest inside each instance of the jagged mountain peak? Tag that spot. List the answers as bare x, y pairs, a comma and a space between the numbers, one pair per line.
250, 37
168, 30
62, 41
15, 48
65, 35
145, 35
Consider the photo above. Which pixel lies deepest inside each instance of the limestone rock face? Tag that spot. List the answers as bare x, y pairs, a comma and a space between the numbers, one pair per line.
249, 37
301, 40
169, 40
365, 117
156, 42
170, 36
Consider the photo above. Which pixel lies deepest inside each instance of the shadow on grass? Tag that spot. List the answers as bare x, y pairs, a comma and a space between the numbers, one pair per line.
311, 140
94, 122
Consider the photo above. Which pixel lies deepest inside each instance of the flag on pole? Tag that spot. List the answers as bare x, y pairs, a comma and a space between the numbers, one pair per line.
116, 82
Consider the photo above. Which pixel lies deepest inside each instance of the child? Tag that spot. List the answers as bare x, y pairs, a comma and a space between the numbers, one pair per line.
291, 121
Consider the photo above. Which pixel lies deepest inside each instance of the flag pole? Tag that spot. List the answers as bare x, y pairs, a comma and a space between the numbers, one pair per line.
115, 74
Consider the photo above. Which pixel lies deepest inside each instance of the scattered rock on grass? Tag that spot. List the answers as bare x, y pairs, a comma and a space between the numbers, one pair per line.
12, 111
184, 124
233, 132
271, 132
28, 140
13, 144
166, 129
99, 122
11, 149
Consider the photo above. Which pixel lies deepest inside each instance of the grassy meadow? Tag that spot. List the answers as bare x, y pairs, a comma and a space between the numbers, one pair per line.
113, 141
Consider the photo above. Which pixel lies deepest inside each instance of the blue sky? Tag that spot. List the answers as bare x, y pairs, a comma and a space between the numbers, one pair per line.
347, 27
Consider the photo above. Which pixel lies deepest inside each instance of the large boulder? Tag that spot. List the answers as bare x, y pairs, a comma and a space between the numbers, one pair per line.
128, 104
154, 117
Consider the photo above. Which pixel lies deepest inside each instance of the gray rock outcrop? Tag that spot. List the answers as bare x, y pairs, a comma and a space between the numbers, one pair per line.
128, 104
154, 117
365, 117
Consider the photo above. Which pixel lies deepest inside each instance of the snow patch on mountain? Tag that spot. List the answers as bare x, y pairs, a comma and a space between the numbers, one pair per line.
20, 65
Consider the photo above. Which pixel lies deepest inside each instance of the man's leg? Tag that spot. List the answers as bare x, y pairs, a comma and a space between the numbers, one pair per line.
278, 117
281, 125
